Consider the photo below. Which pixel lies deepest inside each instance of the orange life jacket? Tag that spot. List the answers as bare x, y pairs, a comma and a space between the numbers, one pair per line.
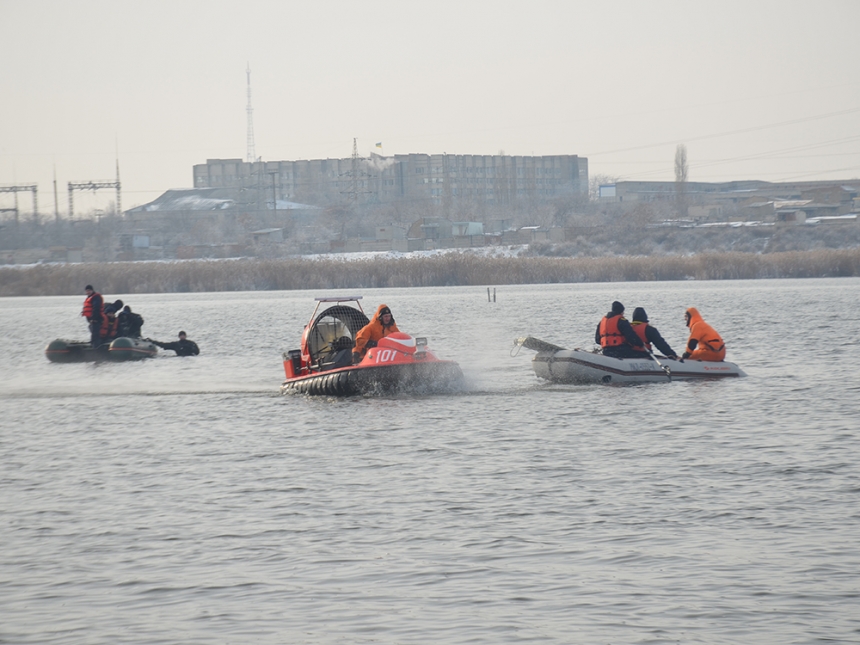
640, 328
88, 306
609, 334
109, 327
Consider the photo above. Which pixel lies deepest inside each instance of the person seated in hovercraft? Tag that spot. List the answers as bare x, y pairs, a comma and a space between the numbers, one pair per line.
381, 325
182, 347
616, 337
704, 344
649, 334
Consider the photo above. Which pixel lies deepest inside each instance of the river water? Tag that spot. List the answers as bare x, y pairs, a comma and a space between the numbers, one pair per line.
185, 500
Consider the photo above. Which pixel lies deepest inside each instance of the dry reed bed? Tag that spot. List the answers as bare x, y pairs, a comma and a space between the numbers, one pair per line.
442, 270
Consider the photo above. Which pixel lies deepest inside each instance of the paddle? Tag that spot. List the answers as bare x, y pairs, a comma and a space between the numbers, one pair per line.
665, 368
530, 342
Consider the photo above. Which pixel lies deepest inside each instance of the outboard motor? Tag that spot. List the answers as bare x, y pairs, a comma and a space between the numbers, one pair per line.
293, 363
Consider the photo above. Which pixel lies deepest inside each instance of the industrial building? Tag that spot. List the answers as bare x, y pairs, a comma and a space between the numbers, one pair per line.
739, 200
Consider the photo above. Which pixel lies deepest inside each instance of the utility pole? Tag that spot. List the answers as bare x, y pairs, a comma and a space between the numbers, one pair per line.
682, 171
274, 173
354, 172
251, 155
56, 201
118, 192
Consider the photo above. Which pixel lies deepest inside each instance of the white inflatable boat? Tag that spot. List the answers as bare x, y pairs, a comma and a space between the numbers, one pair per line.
560, 365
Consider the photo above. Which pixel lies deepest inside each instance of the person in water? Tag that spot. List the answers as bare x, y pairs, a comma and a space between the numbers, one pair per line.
649, 335
93, 311
616, 337
129, 323
381, 325
182, 347
704, 344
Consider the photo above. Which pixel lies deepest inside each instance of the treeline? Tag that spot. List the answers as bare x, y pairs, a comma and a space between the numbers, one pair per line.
441, 270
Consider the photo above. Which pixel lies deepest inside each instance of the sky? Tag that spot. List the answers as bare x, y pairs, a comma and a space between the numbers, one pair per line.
754, 89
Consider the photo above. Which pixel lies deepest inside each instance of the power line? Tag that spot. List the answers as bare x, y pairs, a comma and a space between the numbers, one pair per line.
761, 155
728, 133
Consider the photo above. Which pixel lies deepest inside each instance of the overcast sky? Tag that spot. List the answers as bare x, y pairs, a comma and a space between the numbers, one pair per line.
755, 89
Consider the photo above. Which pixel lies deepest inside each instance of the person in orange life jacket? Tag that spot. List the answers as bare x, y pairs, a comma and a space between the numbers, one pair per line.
94, 313
648, 334
381, 325
110, 326
616, 337
704, 344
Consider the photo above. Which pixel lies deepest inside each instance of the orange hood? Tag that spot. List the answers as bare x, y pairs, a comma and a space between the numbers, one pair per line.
377, 317
695, 316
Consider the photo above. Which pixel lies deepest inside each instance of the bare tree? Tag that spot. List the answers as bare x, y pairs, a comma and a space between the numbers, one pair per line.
681, 173
596, 181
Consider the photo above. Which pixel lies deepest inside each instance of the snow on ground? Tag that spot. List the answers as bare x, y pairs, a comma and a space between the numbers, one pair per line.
482, 251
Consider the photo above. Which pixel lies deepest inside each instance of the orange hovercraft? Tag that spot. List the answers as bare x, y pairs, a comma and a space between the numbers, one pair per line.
397, 363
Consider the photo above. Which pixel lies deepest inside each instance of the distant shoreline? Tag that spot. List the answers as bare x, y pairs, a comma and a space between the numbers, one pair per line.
454, 269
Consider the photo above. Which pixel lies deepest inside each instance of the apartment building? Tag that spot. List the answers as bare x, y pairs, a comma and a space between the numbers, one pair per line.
440, 179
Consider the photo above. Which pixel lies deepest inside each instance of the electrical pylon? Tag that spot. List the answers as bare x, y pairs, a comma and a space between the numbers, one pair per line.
33, 188
355, 174
95, 186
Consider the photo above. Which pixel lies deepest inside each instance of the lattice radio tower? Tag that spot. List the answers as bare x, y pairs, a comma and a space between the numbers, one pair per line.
251, 155
356, 176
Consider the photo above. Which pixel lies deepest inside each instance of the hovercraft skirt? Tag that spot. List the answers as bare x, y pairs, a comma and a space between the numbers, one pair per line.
431, 377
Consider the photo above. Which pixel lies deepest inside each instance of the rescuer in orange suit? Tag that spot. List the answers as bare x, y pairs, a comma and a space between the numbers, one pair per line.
704, 343
381, 325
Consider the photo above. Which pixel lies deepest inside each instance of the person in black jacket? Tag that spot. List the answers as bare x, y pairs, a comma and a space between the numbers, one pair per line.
616, 337
182, 347
649, 335
129, 323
